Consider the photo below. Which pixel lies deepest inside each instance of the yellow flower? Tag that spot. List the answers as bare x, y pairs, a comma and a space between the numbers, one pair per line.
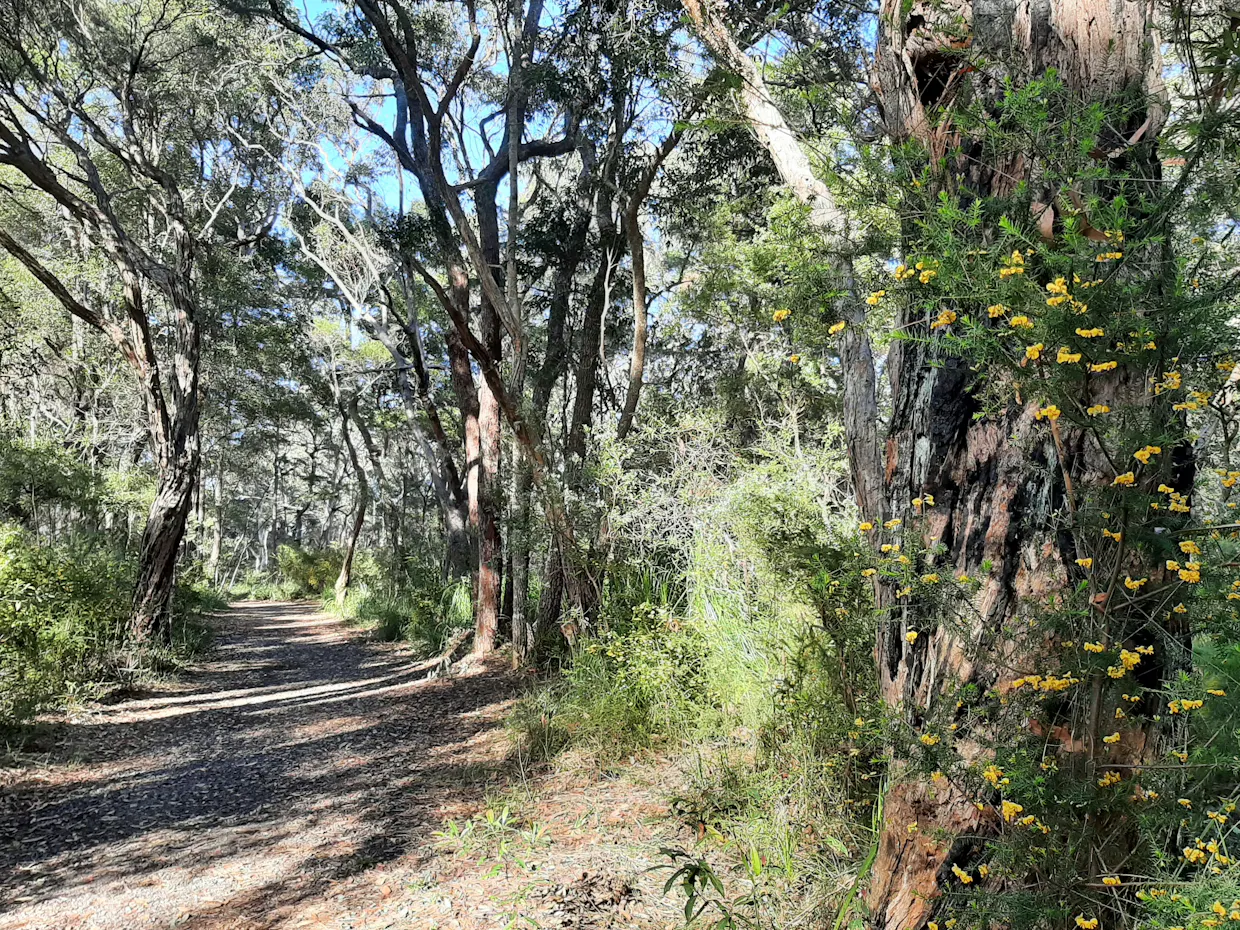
1058, 286
993, 774
1109, 779
929, 739
1097, 409
1067, 357
1093, 647
1104, 366
927, 276
1034, 352
910, 636
1113, 738
1049, 412
869, 572
875, 297
1111, 880
983, 870
1188, 547
1010, 810
1108, 256
961, 874
1185, 803
780, 315
932, 578
946, 318
996, 310
1125, 479
1090, 923
1085, 563
1092, 333
904, 592
866, 527
891, 524
1134, 584
836, 327
1217, 692
794, 358
1143, 455
1191, 574
1173, 565
1110, 534
1020, 322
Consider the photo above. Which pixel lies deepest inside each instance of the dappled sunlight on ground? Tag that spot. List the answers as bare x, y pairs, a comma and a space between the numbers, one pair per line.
306, 777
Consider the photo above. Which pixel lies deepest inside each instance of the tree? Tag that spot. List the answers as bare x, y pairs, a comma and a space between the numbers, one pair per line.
95, 134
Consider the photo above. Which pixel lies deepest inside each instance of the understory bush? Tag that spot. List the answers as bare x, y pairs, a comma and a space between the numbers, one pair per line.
743, 650
423, 615
63, 613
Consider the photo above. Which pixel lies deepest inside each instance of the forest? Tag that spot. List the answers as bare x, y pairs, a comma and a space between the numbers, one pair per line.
810, 427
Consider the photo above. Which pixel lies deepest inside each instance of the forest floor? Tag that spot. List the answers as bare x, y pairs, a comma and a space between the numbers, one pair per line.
305, 776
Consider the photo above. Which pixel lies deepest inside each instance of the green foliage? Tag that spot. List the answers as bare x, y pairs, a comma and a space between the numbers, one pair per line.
424, 614
63, 614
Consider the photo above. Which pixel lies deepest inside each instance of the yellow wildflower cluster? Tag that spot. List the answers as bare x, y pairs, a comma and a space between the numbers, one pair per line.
946, 318
1109, 779
1010, 810
1090, 333
1013, 265
994, 775
1134, 584
836, 327
1103, 366
1180, 706
1172, 381
1067, 357
1046, 683
1124, 480
1085, 563
1049, 412
1143, 455
875, 297
1097, 409
1109, 256
961, 874
1034, 352
1086, 923
780, 315
1020, 322
996, 310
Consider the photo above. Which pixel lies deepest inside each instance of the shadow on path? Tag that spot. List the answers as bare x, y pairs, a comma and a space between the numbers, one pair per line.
299, 754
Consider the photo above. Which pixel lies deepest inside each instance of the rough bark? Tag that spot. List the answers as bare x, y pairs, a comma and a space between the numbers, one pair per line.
997, 479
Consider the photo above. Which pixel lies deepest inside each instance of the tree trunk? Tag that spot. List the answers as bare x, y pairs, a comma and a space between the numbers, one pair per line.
217, 531
345, 578
157, 557
996, 476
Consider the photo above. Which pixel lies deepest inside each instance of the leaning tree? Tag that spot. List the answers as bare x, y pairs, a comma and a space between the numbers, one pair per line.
116, 154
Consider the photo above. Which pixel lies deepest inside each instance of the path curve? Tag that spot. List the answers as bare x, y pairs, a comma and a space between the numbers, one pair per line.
243, 796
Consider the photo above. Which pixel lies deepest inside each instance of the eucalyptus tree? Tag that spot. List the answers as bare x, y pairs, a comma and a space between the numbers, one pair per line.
463, 89
116, 150
1030, 182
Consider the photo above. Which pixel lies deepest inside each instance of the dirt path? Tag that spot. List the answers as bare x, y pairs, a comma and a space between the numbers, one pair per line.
256, 793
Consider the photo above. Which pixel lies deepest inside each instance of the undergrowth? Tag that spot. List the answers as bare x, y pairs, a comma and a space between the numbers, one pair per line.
63, 613
734, 643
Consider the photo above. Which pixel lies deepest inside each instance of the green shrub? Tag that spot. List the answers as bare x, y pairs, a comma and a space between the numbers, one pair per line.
421, 616
63, 616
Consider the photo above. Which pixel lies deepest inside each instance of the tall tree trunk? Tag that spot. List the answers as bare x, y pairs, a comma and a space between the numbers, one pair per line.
157, 556
345, 578
217, 531
996, 476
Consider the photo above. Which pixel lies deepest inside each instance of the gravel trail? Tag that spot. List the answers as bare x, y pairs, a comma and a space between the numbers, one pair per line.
250, 794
